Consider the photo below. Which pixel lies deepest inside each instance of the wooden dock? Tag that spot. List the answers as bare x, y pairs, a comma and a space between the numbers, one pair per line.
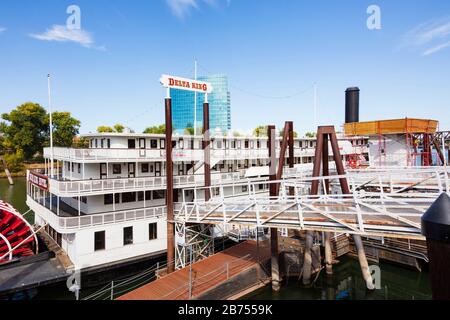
206, 274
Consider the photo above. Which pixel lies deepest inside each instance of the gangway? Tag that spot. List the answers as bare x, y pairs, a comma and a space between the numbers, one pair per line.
387, 214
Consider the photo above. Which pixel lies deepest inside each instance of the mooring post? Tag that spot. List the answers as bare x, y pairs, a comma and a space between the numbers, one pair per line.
7, 172
307, 259
328, 254
169, 190
436, 228
363, 262
273, 193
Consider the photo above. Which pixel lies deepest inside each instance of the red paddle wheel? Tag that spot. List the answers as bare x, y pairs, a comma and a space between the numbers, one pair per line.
17, 238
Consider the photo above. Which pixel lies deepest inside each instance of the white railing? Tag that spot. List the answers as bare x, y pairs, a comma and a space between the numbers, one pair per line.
71, 154
84, 187
62, 224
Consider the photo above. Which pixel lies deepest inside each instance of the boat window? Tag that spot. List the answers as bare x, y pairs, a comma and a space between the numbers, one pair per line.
96, 143
127, 236
108, 199
148, 195
140, 196
79, 168
158, 194
101, 143
144, 168
99, 240
117, 168
108, 143
219, 144
247, 144
162, 143
131, 144
153, 144
152, 231
128, 197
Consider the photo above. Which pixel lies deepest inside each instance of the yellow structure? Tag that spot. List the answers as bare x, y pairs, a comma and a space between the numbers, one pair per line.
396, 126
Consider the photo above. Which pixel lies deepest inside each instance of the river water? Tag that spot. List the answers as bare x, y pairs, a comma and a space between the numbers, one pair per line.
396, 283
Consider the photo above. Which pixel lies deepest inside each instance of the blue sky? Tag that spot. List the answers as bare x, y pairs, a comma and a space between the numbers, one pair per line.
272, 51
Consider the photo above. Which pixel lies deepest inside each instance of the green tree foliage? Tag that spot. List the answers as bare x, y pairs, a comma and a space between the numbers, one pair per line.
103, 129
310, 134
65, 128
14, 161
189, 130
161, 129
119, 128
260, 131
26, 129
81, 143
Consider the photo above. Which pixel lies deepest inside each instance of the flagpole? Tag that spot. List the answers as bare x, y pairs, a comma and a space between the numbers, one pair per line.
51, 126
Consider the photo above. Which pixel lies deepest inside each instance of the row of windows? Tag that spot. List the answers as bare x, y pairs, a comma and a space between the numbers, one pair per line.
128, 197
100, 236
229, 144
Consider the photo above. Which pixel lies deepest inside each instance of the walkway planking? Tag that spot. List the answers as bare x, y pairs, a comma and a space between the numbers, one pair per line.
206, 273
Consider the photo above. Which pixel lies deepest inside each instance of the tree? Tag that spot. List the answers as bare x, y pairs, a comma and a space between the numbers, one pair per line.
26, 129
81, 143
65, 128
260, 131
103, 129
119, 128
189, 130
161, 129
310, 134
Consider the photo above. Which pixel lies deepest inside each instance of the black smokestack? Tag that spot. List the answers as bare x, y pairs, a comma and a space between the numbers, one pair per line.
352, 105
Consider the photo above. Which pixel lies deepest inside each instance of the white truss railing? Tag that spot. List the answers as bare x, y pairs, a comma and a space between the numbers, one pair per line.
395, 212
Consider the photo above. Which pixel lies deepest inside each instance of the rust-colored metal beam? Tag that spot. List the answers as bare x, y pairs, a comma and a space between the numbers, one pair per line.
284, 145
207, 151
291, 152
273, 189
169, 189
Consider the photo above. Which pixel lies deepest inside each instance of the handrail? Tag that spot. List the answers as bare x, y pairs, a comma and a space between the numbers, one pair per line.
97, 219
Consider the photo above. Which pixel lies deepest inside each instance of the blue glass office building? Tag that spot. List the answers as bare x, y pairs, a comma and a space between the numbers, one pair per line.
219, 105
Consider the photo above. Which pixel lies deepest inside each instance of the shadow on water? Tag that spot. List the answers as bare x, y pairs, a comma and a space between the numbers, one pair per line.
397, 283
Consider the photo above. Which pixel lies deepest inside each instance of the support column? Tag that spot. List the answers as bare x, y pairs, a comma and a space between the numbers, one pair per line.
363, 262
206, 148
275, 268
307, 259
328, 254
291, 152
169, 190
436, 228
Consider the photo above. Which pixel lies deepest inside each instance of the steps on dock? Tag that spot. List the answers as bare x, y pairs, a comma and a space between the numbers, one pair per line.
60, 254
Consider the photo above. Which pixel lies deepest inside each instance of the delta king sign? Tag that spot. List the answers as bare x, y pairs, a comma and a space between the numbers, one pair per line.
172, 82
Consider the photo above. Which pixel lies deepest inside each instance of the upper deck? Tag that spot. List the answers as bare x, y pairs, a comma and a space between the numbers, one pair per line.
131, 147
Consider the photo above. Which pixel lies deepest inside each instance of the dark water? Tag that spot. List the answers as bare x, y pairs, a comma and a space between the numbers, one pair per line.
397, 282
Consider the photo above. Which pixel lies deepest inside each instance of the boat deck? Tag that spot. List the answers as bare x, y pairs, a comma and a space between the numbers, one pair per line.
206, 274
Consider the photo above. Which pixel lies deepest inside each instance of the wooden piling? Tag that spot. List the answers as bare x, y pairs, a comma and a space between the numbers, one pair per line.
328, 254
307, 260
363, 262
7, 172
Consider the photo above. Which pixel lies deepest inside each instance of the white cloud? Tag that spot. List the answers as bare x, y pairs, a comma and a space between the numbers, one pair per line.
436, 48
182, 8
2, 29
435, 33
61, 33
